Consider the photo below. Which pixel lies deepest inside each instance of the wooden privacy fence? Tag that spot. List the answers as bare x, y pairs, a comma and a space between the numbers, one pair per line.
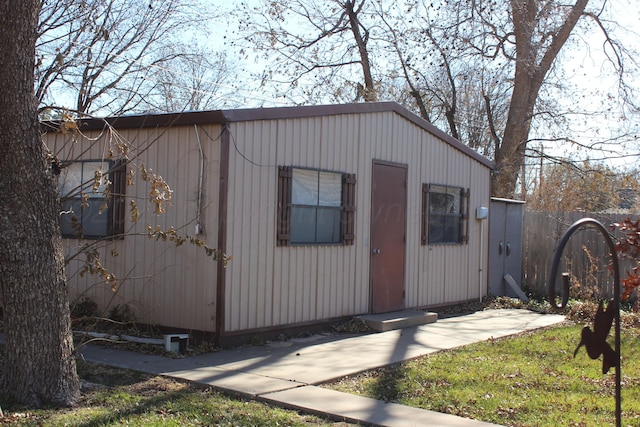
586, 256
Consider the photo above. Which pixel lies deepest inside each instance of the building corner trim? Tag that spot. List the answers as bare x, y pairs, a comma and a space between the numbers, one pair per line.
222, 233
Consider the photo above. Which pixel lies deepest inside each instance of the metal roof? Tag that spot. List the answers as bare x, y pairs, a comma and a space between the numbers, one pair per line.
273, 113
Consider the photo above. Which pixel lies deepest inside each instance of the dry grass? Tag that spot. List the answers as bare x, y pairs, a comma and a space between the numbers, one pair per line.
120, 397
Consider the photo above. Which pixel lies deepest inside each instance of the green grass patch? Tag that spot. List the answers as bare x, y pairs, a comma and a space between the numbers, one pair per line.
528, 380
120, 397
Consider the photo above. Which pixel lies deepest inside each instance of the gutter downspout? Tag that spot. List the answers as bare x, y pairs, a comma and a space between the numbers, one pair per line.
222, 233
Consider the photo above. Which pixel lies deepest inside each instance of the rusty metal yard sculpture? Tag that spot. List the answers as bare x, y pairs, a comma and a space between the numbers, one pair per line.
595, 341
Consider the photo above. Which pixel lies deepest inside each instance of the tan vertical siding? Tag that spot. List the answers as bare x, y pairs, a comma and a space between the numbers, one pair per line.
435, 166
480, 228
307, 283
265, 285
249, 225
457, 255
366, 133
450, 272
339, 148
161, 283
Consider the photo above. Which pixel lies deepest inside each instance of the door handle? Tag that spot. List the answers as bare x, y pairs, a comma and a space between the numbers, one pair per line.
508, 248
376, 251
500, 246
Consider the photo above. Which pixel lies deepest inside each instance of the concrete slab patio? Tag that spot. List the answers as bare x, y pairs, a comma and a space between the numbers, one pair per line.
288, 373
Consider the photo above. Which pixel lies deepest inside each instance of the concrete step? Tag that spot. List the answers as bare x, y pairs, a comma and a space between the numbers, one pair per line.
398, 320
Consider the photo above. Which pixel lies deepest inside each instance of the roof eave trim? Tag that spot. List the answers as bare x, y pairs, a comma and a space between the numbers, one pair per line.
188, 118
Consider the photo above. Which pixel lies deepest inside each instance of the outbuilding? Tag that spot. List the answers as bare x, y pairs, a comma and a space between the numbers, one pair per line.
327, 212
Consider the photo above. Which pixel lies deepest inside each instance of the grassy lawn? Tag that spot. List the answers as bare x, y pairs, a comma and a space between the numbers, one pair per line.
120, 397
528, 380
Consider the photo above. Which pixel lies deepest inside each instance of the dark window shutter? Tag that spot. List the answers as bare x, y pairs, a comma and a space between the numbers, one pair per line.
424, 226
283, 223
118, 191
464, 211
348, 208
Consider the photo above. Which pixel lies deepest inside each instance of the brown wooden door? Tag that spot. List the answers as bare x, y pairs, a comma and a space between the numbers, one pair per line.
388, 228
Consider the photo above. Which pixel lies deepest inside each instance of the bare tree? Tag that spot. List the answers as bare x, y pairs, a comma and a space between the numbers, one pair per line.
489, 71
493, 68
587, 187
194, 81
318, 47
449, 85
39, 358
540, 30
38, 362
98, 55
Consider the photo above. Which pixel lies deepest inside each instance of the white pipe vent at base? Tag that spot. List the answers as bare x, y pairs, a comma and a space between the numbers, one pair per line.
176, 343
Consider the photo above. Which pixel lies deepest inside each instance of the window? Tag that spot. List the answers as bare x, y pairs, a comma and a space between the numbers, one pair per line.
315, 207
445, 214
92, 195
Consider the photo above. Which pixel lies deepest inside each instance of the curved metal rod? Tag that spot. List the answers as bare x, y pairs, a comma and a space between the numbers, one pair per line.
616, 292
556, 260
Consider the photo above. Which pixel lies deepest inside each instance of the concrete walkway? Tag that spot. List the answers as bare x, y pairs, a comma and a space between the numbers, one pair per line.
287, 373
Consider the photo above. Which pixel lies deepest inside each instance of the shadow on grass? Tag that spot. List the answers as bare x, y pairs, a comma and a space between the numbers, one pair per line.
109, 376
180, 402
151, 405
387, 385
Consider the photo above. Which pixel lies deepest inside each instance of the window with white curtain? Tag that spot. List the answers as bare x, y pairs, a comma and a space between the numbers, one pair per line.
315, 207
91, 200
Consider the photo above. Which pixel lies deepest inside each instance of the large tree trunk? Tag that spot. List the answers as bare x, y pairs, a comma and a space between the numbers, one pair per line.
510, 156
532, 66
369, 90
39, 365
